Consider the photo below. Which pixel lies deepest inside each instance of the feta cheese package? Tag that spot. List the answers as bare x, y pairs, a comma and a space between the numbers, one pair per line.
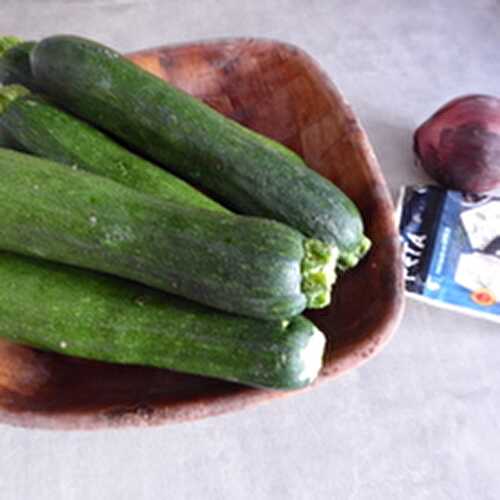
451, 249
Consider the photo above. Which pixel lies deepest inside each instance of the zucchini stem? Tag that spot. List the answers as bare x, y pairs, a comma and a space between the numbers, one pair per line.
318, 272
351, 259
10, 93
7, 42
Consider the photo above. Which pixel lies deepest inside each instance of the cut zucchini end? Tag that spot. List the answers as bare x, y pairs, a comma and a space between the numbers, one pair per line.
312, 357
318, 272
7, 42
351, 259
300, 366
10, 93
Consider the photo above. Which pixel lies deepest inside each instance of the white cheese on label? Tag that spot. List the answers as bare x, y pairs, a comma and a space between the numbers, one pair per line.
476, 271
482, 224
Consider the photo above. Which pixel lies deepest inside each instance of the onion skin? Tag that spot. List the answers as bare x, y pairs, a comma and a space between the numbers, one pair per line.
459, 145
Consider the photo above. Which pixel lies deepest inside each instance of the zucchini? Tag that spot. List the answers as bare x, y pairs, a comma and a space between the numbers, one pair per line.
38, 127
89, 315
15, 62
245, 170
244, 265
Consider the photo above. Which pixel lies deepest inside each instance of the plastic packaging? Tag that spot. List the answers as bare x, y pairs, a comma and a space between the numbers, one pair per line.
451, 249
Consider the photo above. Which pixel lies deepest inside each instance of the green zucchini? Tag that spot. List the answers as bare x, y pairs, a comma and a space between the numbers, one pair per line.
89, 315
15, 62
245, 265
38, 127
245, 170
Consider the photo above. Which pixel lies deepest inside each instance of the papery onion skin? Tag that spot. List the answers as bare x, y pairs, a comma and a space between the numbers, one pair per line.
459, 145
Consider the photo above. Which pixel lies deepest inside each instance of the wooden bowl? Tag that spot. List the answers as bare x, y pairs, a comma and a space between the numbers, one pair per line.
281, 92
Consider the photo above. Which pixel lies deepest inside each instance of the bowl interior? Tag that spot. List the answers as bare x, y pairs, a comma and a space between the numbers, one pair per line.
278, 90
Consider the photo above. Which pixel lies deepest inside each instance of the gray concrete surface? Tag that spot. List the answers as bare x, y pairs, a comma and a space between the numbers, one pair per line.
419, 421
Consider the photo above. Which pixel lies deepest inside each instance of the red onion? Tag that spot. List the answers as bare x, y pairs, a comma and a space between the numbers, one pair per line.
459, 145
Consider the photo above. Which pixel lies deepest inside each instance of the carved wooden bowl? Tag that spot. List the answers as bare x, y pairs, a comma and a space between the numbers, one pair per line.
281, 92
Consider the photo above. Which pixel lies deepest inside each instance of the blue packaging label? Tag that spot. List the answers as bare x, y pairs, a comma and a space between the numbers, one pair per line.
451, 248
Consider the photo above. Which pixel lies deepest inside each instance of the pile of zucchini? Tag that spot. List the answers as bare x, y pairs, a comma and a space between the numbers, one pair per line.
109, 251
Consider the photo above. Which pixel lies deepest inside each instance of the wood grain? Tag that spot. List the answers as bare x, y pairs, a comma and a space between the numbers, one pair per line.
278, 90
